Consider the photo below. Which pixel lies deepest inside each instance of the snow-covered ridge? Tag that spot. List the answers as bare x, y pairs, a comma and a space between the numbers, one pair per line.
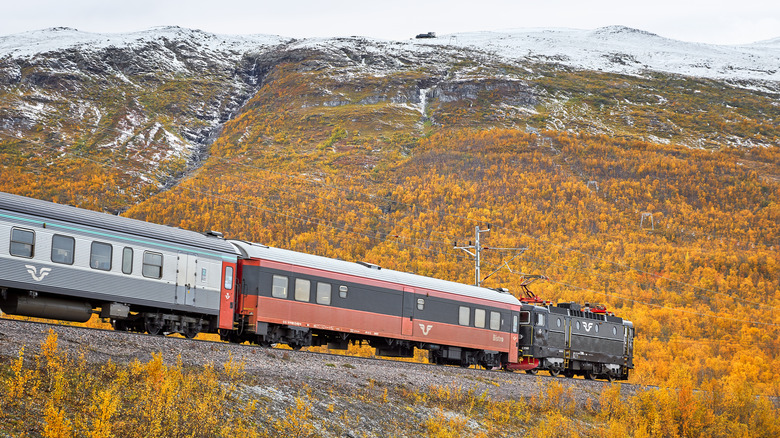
615, 49
619, 49
28, 44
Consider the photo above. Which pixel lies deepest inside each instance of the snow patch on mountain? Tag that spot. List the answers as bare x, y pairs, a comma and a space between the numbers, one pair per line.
29, 44
623, 50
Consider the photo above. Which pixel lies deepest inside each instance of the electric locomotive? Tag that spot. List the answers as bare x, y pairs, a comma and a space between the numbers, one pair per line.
574, 340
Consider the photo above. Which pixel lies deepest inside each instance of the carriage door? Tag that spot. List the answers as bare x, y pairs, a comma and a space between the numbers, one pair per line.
567, 342
186, 279
628, 341
408, 309
514, 346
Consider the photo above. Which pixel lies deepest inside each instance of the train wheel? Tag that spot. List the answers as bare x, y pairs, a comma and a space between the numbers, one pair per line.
120, 325
568, 374
589, 375
153, 327
554, 372
227, 335
532, 372
486, 365
190, 332
610, 377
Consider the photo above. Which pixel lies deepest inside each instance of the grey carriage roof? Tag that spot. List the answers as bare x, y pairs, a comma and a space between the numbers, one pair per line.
360, 270
104, 221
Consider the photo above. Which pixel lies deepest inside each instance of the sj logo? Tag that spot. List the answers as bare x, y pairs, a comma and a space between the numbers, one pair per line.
588, 325
34, 272
425, 329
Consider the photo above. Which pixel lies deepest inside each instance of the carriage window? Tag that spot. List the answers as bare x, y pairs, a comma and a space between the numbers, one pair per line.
464, 315
614, 329
343, 291
540, 319
514, 324
229, 277
302, 290
62, 249
420, 304
323, 293
495, 321
558, 322
22, 243
525, 317
479, 318
127, 260
152, 265
100, 257
279, 289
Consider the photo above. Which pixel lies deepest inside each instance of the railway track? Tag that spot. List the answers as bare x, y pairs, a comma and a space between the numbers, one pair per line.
99, 345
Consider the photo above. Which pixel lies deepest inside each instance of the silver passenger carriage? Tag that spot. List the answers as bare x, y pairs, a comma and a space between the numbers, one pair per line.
66, 263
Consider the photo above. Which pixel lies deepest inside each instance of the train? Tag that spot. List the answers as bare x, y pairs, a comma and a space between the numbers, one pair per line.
66, 263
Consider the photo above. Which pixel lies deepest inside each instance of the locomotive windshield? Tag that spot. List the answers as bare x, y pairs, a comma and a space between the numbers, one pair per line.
525, 317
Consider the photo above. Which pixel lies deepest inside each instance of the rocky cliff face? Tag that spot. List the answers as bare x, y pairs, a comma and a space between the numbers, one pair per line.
154, 100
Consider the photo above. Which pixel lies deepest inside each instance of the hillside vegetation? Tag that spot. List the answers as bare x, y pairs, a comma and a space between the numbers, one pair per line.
658, 196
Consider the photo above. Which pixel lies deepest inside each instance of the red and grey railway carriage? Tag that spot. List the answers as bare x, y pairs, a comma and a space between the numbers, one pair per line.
576, 341
301, 300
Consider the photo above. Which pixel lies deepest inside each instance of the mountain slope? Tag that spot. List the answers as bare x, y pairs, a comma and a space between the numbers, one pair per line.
638, 185
150, 102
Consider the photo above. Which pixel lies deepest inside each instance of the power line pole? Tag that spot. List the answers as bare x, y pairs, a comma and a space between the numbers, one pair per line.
477, 254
